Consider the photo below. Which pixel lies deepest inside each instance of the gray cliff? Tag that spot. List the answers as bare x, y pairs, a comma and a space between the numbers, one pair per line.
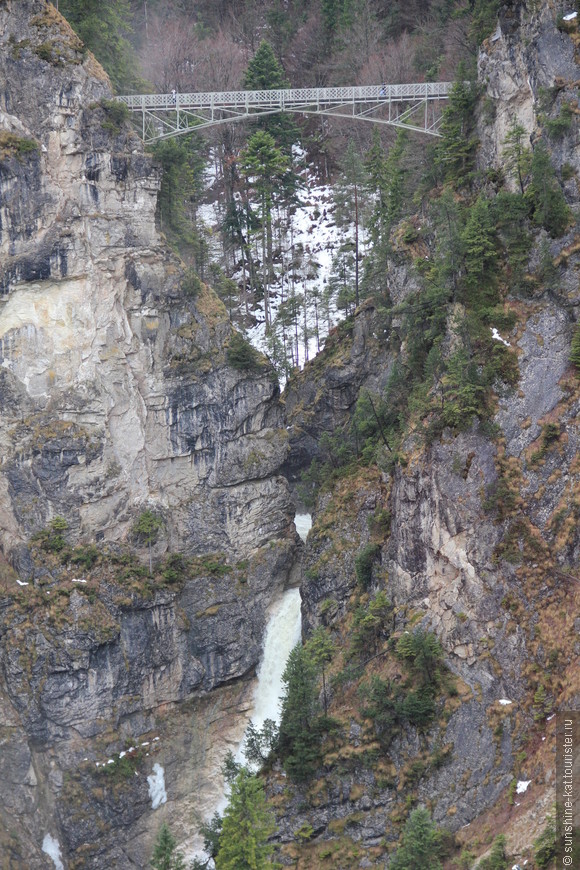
116, 398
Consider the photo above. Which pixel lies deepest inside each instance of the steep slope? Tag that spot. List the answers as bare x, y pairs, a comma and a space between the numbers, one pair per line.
118, 402
472, 535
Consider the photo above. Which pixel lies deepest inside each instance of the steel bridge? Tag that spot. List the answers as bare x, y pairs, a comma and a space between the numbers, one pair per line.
412, 106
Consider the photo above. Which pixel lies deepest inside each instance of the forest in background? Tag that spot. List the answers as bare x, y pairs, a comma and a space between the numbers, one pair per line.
257, 175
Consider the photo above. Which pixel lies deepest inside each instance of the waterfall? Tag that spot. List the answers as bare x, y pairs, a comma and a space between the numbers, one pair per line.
303, 523
283, 632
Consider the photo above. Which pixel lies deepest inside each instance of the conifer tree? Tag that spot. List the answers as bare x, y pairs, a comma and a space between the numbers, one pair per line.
418, 848
165, 856
265, 72
247, 824
480, 247
266, 170
456, 151
104, 27
299, 740
350, 200
320, 648
547, 204
517, 156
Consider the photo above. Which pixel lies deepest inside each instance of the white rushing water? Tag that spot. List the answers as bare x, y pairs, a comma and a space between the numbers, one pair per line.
283, 632
303, 523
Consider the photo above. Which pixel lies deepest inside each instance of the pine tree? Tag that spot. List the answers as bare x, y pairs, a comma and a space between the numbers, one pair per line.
103, 26
462, 391
480, 251
247, 824
320, 648
266, 170
265, 72
349, 195
183, 165
147, 529
299, 739
165, 856
547, 204
419, 842
385, 178
456, 151
517, 156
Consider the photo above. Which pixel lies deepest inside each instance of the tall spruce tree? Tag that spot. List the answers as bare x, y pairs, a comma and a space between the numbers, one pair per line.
419, 842
247, 824
456, 150
544, 194
350, 195
299, 740
517, 155
266, 170
265, 72
480, 249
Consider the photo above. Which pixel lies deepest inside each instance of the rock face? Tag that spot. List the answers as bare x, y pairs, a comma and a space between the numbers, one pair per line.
116, 397
475, 536
115, 390
321, 398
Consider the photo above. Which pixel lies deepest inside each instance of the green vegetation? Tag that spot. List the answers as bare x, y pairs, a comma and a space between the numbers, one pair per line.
545, 845
183, 161
260, 744
116, 116
575, 350
241, 355
419, 844
12, 145
146, 529
299, 742
497, 859
165, 855
370, 626
363, 564
547, 204
105, 26
247, 824
52, 539
266, 72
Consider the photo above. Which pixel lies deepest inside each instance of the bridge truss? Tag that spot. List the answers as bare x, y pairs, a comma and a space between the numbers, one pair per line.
411, 106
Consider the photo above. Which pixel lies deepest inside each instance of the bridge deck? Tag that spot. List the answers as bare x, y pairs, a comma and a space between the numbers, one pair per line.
292, 97
412, 106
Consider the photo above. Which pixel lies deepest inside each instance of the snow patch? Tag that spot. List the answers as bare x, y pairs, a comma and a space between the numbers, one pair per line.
51, 847
78, 580
21, 583
522, 785
570, 16
495, 334
504, 702
157, 791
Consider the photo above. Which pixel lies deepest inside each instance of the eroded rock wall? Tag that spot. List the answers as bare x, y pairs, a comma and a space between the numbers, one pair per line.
116, 397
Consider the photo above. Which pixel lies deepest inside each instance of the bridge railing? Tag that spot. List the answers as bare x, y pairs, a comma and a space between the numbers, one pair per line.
290, 97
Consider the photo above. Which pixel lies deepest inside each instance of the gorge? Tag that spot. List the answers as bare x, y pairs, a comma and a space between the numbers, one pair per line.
154, 573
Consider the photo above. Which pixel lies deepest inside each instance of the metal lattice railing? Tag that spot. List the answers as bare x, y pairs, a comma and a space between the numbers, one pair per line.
413, 106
